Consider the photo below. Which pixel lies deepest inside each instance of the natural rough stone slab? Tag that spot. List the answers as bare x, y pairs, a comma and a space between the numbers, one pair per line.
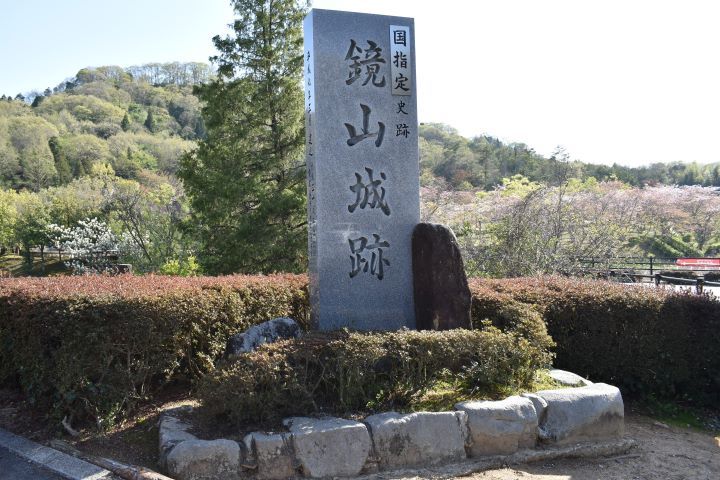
272, 455
442, 295
266, 332
501, 427
582, 414
421, 438
172, 431
568, 378
362, 169
204, 460
331, 447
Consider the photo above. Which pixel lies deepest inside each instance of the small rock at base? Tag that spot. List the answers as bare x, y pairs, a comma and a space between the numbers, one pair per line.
442, 295
420, 438
204, 460
501, 427
172, 431
582, 414
329, 447
272, 454
266, 332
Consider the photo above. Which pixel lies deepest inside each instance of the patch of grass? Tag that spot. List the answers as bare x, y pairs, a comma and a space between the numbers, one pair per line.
15, 266
543, 381
449, 390
442, 395
680, 415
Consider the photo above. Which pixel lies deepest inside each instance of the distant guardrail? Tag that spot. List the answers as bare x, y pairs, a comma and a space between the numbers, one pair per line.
675, 271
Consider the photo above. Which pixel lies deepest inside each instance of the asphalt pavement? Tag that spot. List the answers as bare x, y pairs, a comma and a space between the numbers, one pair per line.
13, 467
22, 459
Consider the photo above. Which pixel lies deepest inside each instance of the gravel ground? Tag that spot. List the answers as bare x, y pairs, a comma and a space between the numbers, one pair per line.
663, 453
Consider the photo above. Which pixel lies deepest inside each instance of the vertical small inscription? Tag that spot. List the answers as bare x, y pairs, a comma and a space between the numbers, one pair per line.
400, 58
310, 156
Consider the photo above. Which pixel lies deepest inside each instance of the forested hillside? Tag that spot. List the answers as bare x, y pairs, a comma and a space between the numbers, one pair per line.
144, 117
105, 145
483, 162
130, 119
92, 165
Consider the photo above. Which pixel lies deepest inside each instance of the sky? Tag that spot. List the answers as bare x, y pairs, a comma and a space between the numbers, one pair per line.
631, 82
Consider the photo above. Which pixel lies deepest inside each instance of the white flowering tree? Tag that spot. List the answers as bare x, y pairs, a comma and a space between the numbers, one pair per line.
89, 245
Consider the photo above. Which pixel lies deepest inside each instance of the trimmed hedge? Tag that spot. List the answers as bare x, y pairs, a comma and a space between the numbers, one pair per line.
349, 372
644, 340
92, 347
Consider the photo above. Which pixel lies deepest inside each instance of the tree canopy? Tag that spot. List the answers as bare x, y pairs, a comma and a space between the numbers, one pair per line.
246, 179
483, 162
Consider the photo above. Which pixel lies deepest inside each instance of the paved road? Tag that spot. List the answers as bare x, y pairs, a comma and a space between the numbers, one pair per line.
13, 467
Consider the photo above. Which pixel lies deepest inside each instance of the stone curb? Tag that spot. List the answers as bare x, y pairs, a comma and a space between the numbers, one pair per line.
57, 462
574, 422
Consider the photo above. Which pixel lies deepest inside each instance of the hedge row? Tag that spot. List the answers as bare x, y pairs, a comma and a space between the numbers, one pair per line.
92, 347
351, 372
645, 340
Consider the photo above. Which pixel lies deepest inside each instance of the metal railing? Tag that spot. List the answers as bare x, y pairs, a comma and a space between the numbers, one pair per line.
650, 269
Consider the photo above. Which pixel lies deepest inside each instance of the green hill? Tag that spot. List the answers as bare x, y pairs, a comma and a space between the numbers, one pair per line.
134, 119
484, 161
144, 117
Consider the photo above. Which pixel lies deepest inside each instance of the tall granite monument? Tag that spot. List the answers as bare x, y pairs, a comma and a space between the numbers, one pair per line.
362, 164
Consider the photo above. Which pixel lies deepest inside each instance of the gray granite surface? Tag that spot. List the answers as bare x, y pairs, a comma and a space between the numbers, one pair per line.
362, 152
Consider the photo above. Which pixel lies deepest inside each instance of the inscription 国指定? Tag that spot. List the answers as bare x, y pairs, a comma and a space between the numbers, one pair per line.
400, 68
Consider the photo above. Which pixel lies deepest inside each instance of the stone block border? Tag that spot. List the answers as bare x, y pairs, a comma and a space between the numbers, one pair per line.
546, 424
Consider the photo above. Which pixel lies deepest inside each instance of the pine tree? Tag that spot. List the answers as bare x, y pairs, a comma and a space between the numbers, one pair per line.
150, 122
246, 179
64, 172
715, 178
125, 124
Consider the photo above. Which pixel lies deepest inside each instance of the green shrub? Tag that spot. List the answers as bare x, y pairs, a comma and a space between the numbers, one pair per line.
348, 372
510, 315
644, 340
92, 347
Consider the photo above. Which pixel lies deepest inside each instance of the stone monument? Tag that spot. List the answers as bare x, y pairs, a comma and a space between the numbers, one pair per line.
362, 169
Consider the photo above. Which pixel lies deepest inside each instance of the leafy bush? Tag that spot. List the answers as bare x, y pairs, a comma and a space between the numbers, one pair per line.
92, 347
510, 315
347, 372
187, 267
645, 340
